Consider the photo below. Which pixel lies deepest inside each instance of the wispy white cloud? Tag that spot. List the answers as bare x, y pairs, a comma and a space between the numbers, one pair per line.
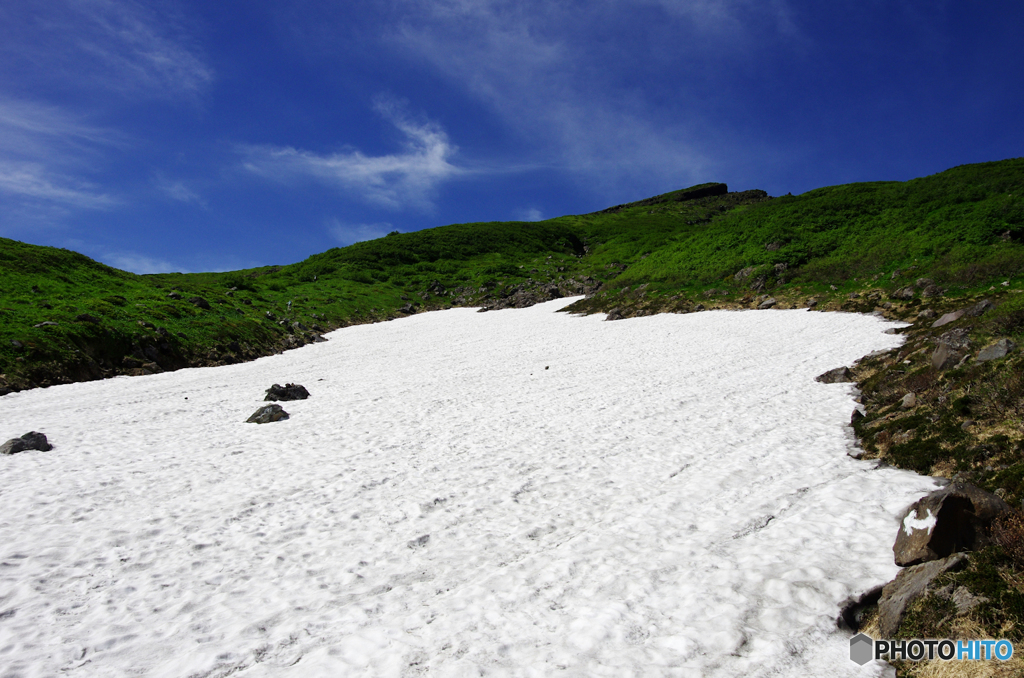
124, 46
531, 214
544, 69
140, 263
346, 234
399, 180
32, 181
46, 157
177, 190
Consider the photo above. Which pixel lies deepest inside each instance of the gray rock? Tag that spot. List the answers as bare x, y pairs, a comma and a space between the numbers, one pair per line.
955, 518
980, 308
174, 295
998, 350
812, 302
949, 318
931, 291
199, 302
46, 323
267, 414
30, 441
908, 401
923, 282
945, 357
927, 314
286, 392
743, 274
904, 293
767, 303
836, 376
958, 339
614, 314
966, 601
909, 585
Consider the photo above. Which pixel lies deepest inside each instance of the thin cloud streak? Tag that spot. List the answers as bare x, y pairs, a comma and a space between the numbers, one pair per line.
32, 181
140, 263
395, 181
118, 46
347, 234
178, 190
533, 65
46, 157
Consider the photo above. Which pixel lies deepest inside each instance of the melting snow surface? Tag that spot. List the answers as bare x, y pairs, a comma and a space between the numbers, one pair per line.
516, 493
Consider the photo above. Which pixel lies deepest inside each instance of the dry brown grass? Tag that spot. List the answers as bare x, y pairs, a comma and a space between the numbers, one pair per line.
1008, 531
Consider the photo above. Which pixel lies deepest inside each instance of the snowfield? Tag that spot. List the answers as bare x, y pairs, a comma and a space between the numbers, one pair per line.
512, 493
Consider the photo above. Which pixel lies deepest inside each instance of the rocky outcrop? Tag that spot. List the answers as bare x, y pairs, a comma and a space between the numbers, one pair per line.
267, 414
286, 392
529, 294
909, 585
1000, 349
953, 316
836, 376
32, 440
956, 518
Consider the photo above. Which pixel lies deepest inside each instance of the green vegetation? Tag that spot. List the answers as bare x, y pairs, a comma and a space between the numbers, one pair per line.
673, 252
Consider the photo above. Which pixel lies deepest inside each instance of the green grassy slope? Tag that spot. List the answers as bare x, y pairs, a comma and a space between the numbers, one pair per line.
962, 227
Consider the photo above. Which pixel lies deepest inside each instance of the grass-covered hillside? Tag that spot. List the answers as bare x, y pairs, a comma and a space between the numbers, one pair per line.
64, 317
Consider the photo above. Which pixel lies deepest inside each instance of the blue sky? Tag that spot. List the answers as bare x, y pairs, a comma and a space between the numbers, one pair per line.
177, 135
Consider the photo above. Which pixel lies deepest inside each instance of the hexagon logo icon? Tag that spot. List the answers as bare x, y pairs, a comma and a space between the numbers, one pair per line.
860, 649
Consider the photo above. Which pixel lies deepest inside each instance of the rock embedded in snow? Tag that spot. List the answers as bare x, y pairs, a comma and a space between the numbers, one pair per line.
910, 584
956, 518
836, 376
30, 441
767, 303
267, 414
287, 392
614, 314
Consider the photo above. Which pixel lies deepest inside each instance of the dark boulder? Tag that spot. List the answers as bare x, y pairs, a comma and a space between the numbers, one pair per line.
614, 314
174, 295
980, 308
836, 376
767, 303
851, 610
199, 302
86, 318
910, 584
30, 441
286, 392
931, 291
956, 518
267, 414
